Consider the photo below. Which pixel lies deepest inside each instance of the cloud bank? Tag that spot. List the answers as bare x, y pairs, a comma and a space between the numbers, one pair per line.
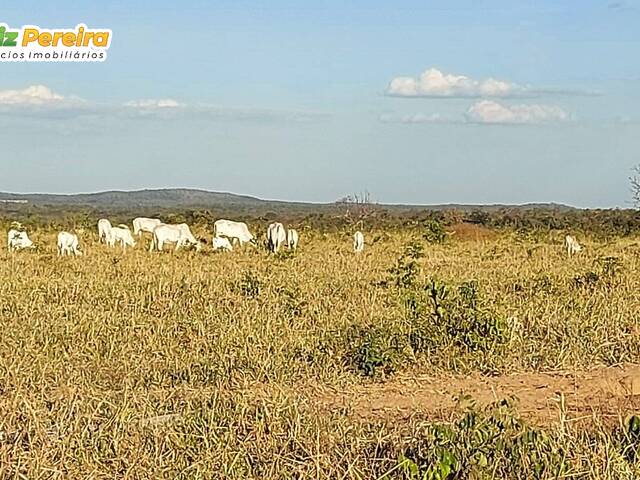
435, 83
154, 103
35, 95
488, 111
415, 118
39, 101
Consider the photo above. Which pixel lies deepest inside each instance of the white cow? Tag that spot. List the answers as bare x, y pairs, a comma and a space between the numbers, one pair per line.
358, 242
122, 236
233, 230
68, 244
142, 224
276, 236
18, 240
221, 243
179, 234
104, 226
572, 245
292, 239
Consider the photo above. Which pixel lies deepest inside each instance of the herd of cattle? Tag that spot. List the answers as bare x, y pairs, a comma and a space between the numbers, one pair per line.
226, 233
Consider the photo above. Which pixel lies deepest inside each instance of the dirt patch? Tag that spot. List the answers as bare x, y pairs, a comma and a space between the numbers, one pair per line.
605, 394
471, 232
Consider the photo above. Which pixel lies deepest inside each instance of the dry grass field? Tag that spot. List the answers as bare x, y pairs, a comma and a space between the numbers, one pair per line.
490, 356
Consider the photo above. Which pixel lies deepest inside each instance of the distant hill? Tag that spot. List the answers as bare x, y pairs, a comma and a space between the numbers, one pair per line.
163, 198
181, 198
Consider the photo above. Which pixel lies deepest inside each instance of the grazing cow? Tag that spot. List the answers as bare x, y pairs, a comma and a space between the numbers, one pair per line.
572, 245
68, 244
18, 240
142, 224
179, 234
358, 242
292, 239
276, 237
221, 243
120, 235
104, 226
233, 230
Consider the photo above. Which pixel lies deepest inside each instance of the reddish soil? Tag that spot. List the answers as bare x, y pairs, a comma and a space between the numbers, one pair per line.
604, 394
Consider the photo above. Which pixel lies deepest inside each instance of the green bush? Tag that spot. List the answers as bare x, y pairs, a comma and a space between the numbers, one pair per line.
490, 443
434, 232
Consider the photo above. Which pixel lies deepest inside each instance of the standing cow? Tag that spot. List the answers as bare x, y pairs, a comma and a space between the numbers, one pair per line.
233, 231
121, 235
104, 226
142, 224
358, 242
292, 239
179, 234
571, 245
276, 237
68, 244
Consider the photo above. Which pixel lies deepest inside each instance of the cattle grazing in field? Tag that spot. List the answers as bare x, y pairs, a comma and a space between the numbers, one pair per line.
233, 231
358, 242
292, 239
68, 244
571, 245
104, 226
179, 234
276, 237
142, 224
17, 240
122, 236
221, 243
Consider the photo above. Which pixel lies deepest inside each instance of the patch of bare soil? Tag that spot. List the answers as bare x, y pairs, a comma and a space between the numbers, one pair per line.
603, 394
471, 232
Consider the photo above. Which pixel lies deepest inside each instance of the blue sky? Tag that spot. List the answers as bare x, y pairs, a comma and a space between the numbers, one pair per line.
417, 102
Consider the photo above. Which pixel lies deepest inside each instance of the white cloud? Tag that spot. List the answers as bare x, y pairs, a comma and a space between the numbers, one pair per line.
35, 95
487, 111
154, 103
39, 101
435, 83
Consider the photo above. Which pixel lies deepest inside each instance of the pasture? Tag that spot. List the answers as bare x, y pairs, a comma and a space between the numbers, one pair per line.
487, 356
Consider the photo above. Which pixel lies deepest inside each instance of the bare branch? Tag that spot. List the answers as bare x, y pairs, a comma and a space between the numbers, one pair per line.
635, 185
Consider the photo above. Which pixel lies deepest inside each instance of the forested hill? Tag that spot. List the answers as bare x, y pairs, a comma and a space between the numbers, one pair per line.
180, 198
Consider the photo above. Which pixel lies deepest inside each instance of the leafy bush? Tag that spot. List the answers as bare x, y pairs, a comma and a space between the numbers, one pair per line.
404, 273
489, 443
434, 232
373, 350
455, 320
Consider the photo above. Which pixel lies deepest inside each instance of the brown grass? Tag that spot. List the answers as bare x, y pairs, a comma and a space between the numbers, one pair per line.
165, 365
